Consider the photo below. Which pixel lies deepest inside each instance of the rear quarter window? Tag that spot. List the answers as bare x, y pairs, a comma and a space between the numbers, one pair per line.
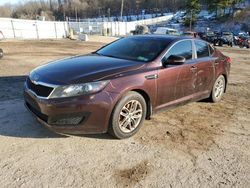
202, 49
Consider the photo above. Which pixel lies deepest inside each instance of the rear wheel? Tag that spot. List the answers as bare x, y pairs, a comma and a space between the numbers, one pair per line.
218, 89
128, 116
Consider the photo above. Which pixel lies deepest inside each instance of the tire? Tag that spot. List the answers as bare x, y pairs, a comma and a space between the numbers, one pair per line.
218, 89
1, 53
220, 43
125, 120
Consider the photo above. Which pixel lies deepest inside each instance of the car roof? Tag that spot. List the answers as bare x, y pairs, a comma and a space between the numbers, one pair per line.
166, 28
167, 38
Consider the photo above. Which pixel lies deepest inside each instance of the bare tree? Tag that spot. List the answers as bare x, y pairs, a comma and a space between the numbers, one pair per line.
5, 10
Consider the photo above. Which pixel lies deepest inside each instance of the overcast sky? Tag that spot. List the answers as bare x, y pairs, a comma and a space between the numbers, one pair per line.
2, 2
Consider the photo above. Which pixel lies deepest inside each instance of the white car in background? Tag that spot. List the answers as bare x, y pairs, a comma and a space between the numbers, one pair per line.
166, 31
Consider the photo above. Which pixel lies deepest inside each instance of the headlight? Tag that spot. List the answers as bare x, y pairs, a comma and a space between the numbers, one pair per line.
78, 89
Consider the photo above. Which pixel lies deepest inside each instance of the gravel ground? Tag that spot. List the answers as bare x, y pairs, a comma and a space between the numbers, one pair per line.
196, 145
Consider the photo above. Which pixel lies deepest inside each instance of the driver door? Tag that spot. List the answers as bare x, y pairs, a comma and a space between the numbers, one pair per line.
176, 83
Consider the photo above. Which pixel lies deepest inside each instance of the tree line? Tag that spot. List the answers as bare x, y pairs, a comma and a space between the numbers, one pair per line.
60, 9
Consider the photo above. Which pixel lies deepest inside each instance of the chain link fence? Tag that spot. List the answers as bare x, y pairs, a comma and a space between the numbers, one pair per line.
33, 29
114, 28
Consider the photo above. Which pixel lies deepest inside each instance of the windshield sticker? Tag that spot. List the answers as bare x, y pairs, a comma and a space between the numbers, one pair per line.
142, 58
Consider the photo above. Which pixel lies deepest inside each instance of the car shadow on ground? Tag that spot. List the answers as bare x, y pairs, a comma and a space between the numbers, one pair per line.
17, 121
103, 136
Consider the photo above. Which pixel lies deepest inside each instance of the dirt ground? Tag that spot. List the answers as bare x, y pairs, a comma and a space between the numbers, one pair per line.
197, 145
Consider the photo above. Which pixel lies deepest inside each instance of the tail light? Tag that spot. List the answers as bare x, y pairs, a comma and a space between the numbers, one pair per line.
228, 59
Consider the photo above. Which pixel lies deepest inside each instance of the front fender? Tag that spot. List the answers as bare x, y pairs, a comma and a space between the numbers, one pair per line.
123, 85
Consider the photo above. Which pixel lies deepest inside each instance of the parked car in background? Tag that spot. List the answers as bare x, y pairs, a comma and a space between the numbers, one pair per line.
244, 41
224, 37
119, 86
141, 30
179, 16
209, 36
1, 38
210, 17
1, 35
190, 34
166, 31
206, 15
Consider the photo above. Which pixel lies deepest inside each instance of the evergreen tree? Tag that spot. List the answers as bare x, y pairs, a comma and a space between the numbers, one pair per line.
192, 9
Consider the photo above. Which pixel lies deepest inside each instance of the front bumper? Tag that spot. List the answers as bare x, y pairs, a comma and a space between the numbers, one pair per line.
75, 115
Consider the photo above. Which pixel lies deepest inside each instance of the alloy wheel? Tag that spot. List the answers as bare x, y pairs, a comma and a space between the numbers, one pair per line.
219, 88
130, 116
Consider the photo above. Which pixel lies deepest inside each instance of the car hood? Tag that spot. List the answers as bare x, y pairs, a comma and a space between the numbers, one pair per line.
82, 69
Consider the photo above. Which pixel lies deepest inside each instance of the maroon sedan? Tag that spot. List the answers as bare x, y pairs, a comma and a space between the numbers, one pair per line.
120, 85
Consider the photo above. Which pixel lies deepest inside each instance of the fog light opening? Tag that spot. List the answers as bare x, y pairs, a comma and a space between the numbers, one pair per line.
66, 120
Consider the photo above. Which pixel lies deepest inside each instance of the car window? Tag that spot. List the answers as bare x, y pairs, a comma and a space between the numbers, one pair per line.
135, 48
201, 49
183, 48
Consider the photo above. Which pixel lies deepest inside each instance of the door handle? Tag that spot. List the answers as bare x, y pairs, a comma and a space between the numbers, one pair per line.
151, 77
193, 68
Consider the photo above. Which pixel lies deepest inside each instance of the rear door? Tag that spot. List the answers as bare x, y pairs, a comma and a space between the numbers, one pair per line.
205, 67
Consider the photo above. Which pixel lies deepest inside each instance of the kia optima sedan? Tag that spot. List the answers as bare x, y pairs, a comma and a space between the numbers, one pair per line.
120, 85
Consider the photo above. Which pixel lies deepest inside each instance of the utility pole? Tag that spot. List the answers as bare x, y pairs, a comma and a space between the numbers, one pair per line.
76, 13
50, 5
108, 14
122, 4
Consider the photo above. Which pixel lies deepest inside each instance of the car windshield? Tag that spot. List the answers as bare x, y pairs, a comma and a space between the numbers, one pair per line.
142, 49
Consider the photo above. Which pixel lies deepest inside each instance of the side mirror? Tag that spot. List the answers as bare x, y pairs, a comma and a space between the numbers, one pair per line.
173, 60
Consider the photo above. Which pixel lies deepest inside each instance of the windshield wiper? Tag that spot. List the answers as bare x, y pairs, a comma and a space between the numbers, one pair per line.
111, 56
103, 54
106, 55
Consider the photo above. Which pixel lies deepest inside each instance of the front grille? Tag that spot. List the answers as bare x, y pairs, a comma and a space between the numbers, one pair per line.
39, 90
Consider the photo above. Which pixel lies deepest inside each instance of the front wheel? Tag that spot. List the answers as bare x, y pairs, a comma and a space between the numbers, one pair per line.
218, 89
128, 116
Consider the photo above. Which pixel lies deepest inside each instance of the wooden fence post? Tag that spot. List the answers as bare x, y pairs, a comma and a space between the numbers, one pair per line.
37, 34
55, 30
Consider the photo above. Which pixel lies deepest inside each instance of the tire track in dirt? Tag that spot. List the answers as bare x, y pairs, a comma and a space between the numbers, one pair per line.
194, 128
129, 177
